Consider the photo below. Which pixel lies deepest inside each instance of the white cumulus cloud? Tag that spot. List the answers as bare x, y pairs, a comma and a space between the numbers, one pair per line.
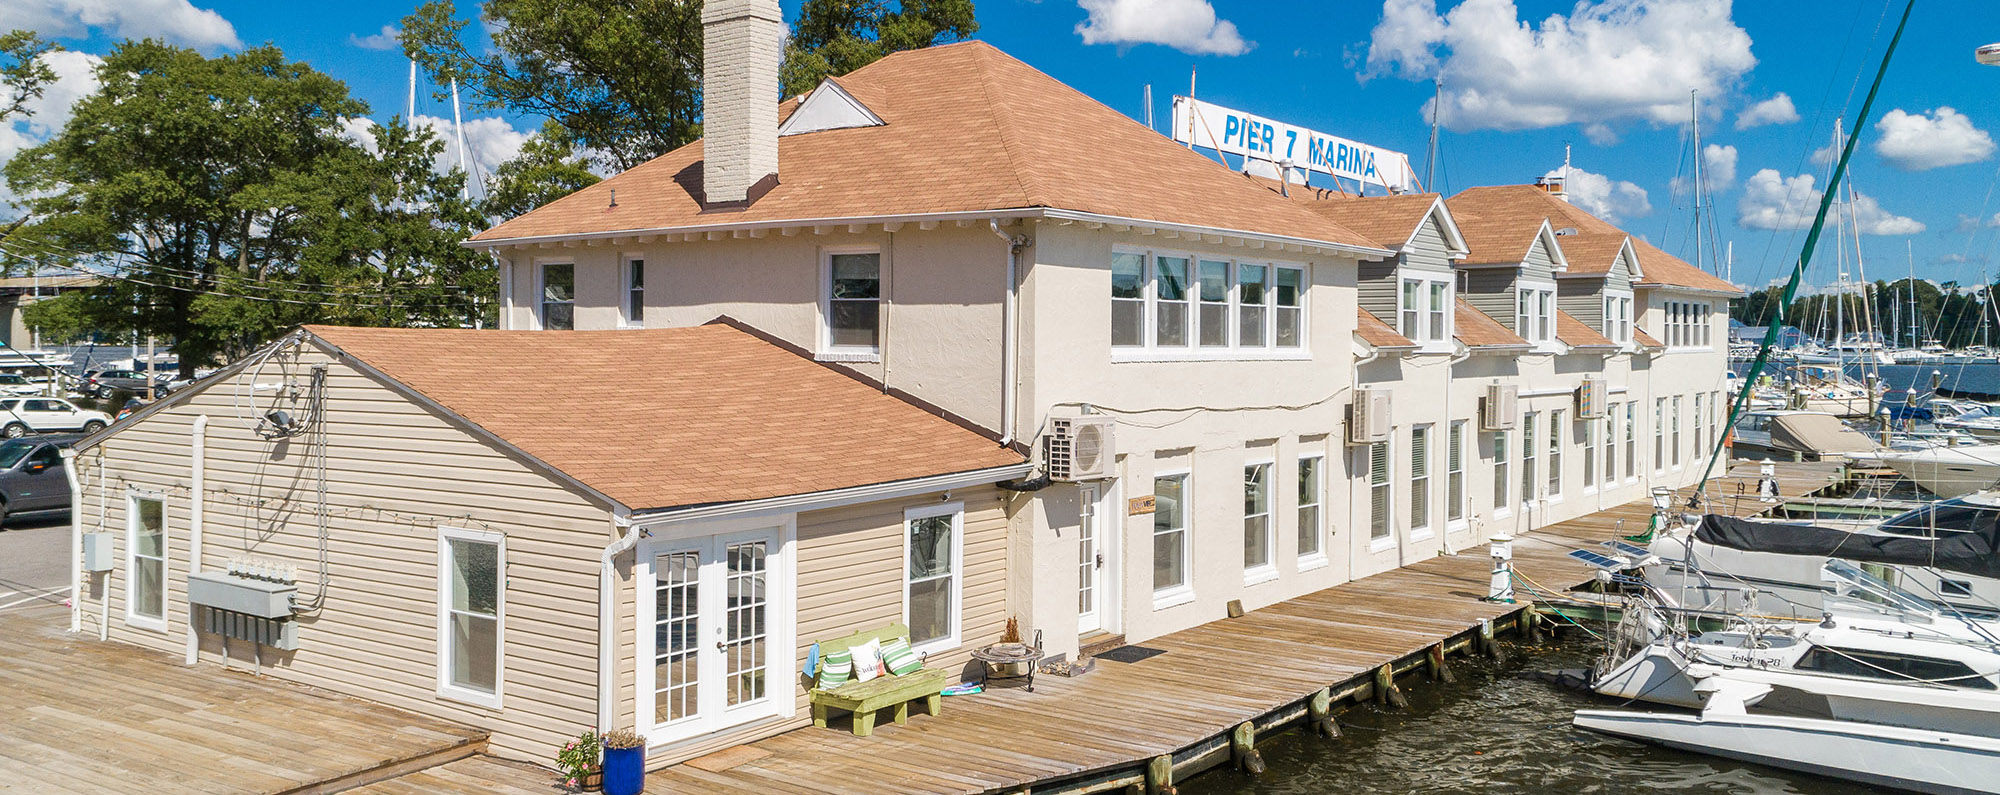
176, 21
489, 141
1607, 61
386, 39
76, 78
1773, 201
1190, 26
1776, 110
1920, 141
1604, 197
1718, 170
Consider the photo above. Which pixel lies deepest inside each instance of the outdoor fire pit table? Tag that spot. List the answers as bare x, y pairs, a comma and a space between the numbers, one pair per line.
1010, 661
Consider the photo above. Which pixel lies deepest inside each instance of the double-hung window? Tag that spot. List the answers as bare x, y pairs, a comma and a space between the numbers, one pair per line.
1425, 311
853, 302
1180, 304
1528, 443
1380, 492
1170, 536
1501, 482
1631, 439
1610, 454
1589, 429
1715, 409
1696, 421
1676, 422
1689, 324
1312, 488
1618, 318
635, 292
1556, 428
931, 581
146, 562
1660, 435
1256, 517
558, 290
472, 609
1454, 473
1420, 479
1534, 313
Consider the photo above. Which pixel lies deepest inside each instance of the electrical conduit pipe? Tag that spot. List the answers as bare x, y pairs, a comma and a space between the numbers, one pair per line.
1007, 331
198, 477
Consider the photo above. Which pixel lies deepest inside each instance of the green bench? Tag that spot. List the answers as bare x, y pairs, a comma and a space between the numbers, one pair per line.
865, 698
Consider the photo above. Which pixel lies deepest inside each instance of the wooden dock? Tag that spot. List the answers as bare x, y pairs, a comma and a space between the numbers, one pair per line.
1138, 726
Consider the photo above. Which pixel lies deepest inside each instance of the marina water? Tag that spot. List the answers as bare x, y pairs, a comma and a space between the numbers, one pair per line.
1497, 730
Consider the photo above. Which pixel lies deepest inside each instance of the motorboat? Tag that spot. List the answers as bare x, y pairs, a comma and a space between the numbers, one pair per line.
1947, 553
1882, 689
1945, 470
1977, 419
1824, 388
1794, 435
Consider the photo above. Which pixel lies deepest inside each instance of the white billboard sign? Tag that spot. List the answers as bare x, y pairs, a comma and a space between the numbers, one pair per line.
1235, 132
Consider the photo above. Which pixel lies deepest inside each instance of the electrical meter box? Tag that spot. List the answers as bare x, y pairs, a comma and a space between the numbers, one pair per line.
97, 552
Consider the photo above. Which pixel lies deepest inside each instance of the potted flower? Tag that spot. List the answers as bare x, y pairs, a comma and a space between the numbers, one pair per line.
578, 762
624, 762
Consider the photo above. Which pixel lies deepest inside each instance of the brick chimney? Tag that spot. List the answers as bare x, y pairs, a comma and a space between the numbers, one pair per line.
742, 45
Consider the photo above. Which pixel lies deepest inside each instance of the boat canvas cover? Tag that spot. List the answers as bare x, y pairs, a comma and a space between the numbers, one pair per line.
1968, 551
1820, 434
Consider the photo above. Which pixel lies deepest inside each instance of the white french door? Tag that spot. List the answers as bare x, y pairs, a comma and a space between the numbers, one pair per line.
1096, 559
715, 616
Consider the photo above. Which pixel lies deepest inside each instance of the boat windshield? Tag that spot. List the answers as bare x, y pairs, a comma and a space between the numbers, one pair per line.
1857, 590
1949, 516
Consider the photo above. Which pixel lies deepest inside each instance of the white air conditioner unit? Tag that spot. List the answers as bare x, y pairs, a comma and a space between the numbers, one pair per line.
1592, 397
1079, 448
1498, 411
1370, 422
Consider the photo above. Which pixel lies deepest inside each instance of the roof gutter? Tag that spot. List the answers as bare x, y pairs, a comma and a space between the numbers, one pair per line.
832, 498
1702, 290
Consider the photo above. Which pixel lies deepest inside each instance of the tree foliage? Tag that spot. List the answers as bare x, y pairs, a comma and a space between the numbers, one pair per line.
224, 205
623, 77
547, 169
1949, 313
22, 70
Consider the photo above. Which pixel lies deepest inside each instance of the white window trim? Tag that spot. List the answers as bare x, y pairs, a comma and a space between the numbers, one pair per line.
1632, 440
1429, 528
1464, 519
1149, 351
1619, 333
823, 349
1553, 482
1503, 504
445, 689
1550, 344
132, 617
1421, 334
1593, 469
1253, 575
541, 293
1318, 558
956, 510
1183, 593
625, 291
1388, 540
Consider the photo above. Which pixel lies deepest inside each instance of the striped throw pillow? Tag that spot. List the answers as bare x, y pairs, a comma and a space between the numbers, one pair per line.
897, 657
835, 669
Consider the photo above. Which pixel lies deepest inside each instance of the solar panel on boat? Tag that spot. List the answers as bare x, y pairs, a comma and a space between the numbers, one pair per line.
1629, 549
1599, 560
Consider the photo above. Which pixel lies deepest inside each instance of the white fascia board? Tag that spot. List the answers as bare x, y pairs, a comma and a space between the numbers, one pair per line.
1358, 252
968, 215
835, 498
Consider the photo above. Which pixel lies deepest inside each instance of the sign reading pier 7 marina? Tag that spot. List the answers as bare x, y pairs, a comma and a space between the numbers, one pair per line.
1238, 133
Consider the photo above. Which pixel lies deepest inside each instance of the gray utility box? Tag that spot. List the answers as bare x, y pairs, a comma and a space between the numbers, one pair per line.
259, 598
97, 555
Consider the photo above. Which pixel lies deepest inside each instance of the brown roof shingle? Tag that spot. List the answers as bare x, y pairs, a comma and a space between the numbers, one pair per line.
967, 128
1576, 334
1479, 330
1591, 252
1388, 220
1658, 266
727, 417
1377, 333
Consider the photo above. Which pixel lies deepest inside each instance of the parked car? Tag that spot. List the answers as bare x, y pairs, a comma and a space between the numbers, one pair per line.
102, 383
32, 481
23, 416
18, 384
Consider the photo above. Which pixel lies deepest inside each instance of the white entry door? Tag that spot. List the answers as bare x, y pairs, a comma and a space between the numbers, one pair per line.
714, 625
1096, 559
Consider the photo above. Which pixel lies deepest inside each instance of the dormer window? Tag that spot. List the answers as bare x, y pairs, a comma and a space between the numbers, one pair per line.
1424, 311
1618, 318
1535, 313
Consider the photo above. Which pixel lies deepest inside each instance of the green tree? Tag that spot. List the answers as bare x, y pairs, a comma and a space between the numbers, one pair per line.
548, 168
624, 76
22, 70
223, 204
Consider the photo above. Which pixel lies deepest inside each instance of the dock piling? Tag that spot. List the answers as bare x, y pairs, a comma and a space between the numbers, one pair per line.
1440, 672
1243, 749
1319, 708
1160, 775
1386, 691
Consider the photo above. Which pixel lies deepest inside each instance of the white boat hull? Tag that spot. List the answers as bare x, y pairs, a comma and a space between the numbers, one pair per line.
1888, 756
1949, 472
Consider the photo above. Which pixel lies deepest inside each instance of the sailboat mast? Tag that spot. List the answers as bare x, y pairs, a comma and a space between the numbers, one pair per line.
1694, 119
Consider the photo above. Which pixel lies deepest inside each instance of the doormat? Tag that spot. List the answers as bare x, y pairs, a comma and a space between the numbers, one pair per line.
1130, 654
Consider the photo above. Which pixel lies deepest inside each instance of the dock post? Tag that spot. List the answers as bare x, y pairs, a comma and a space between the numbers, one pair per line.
1320, 708
1534, 621
1439, 671
1489, 644
1243, 749
1386, 692
1160, 775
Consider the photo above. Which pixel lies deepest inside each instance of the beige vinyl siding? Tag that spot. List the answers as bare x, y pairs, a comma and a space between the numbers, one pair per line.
1427, 252
850, 578
1583, 299
396, 471
1620, 276
1540, 264
1491, 290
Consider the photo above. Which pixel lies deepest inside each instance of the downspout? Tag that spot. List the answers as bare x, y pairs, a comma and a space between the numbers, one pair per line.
1008, 303
1353, 383
198, 477
607, 624
75, 540
104, 604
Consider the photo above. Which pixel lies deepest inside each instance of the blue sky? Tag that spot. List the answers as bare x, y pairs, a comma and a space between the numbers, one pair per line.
1609, 78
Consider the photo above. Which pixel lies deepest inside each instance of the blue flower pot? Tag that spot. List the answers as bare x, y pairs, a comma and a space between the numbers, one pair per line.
624, 771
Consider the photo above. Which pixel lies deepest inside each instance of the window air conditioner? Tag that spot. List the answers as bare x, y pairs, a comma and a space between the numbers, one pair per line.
1591, 398
1079, 448
1370, 421
1498, 412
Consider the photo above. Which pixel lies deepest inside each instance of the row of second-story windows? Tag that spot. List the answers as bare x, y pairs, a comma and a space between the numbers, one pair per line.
557, 310
1425, 311
1535, 313
1618, 318
1177, 302
1689, 324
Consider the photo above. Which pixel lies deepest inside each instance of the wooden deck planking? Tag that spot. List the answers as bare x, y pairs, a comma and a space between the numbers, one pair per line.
1212, 677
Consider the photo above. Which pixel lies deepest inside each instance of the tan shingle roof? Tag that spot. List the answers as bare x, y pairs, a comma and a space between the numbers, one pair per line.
1576, 334
1591, 252
967, 129
1495, 232
1479, 330
1658, 266
726, 417
1645, 340
1387, 220
1377, 333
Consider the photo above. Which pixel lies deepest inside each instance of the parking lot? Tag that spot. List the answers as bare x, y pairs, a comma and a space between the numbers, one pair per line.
32, 575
